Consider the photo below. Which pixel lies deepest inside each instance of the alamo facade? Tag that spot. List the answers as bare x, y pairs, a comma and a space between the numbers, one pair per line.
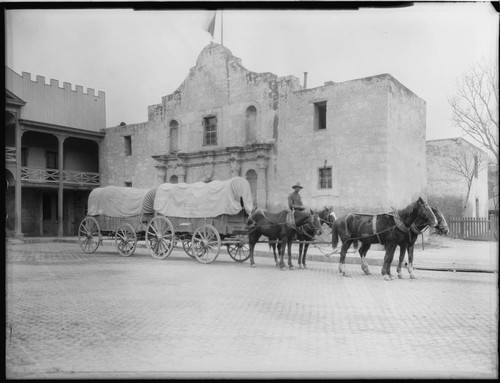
358, 145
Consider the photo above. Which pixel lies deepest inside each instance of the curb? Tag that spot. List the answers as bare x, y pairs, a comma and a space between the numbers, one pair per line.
259, 253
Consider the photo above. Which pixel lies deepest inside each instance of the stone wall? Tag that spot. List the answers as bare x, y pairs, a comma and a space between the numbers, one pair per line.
374, 165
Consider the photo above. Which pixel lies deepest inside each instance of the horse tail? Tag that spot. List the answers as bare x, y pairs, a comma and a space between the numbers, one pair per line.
335, 235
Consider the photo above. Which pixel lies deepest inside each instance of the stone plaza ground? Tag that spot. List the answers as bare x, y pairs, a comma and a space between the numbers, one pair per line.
75, 315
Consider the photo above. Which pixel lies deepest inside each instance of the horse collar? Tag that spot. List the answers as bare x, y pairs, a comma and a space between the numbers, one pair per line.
399, 222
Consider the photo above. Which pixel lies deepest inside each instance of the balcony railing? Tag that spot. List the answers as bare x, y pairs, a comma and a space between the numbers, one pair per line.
10, 154
51, 176
81, 178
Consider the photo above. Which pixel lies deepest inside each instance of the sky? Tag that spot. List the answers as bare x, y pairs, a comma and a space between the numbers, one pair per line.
137, 57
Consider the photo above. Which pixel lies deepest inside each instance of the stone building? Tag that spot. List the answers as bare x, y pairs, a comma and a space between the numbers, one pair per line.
447, 185
358, 145
52, 138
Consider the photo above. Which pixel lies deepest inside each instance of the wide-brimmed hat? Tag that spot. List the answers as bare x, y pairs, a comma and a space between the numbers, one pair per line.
297, 185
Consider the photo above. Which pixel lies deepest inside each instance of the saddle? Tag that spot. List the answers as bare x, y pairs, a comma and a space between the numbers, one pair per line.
290, 220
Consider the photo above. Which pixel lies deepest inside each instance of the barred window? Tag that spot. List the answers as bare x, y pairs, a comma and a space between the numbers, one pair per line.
210, 130
325, 178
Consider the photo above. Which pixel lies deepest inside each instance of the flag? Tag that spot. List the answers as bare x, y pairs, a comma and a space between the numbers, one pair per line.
210, 23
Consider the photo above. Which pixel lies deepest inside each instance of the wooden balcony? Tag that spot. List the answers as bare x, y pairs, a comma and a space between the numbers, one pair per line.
51, 177
10, 154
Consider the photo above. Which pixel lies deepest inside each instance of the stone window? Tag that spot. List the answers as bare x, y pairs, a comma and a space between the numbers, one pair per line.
209, 131
173, 180
325, 178
250, 124
128, 145
320, 115
128, 184
174, 136
51, 160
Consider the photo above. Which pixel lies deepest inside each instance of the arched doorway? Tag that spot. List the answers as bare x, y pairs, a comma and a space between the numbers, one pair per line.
173, 180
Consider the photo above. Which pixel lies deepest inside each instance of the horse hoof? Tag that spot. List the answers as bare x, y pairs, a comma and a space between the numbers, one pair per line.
412, 276
386, 278
347, 275
400, 276
291, 267
301, 267
283, 269
392, 277
252, 265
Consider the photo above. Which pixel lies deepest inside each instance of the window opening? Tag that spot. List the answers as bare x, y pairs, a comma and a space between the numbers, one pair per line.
51, 160
325, 178
128, 145
320, 115
210, 130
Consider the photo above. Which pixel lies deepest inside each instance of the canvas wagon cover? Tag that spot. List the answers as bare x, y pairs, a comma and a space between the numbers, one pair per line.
201, 200
116, 201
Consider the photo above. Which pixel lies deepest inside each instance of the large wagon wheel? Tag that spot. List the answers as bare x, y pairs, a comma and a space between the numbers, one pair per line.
160, 237
240, 251
187, 246
89, 235
206, 244
126, 240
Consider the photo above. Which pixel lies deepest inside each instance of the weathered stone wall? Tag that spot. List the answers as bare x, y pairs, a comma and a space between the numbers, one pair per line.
354, 144
406, 152
366, 119
138, 168
447, 189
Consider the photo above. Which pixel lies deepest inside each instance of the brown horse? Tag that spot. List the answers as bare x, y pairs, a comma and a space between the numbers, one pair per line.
307, 233
387, 229
416, 229
276, 228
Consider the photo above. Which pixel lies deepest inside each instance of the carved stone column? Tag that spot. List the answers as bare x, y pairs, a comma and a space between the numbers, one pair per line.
181, 171
261, 170
161, 173
235, 167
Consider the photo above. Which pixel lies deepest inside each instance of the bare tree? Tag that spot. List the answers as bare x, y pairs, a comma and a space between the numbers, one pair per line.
467, 164
475, 106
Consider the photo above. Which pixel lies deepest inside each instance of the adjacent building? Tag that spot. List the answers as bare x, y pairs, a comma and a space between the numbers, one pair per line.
457, 177
358, 145
52, 147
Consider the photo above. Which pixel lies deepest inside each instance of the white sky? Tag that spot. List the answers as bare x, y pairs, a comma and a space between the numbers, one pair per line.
138, 57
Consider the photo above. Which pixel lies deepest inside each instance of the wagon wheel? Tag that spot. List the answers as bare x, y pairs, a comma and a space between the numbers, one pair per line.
89, 235
186, 245
126, 240
238, 251
160, 237
206, 244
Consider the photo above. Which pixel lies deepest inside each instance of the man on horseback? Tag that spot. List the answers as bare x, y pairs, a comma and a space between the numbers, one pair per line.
294, 199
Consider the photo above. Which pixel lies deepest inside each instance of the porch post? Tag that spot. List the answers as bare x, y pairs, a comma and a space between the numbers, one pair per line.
17, 188
60, 201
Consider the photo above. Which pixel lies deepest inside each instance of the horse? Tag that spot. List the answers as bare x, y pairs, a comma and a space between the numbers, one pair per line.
387, 229
418, 228
275, 227
325, 216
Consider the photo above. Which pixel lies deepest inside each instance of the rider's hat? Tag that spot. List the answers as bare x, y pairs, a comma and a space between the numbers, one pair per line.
297, 185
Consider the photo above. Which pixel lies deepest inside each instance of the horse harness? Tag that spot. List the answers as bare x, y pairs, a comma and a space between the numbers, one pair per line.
397, 220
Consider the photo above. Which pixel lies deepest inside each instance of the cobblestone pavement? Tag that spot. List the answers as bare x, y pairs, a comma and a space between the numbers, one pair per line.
74, 315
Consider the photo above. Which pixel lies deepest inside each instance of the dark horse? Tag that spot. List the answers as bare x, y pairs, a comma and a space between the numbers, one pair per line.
304, 236
276, 228
416, 229
387, 229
